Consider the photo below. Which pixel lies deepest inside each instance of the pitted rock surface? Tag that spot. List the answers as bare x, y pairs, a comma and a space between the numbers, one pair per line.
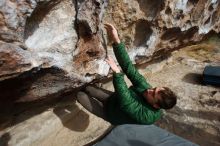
48, 48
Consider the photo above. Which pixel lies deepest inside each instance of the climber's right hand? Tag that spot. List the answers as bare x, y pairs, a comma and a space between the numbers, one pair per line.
112, 33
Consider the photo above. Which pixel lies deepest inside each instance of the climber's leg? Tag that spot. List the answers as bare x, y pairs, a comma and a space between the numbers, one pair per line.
94, 106
98, 93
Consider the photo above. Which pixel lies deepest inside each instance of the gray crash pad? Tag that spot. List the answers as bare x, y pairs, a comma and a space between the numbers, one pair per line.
142, 135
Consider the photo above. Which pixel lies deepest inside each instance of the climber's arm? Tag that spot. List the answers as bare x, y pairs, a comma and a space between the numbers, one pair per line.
124, 61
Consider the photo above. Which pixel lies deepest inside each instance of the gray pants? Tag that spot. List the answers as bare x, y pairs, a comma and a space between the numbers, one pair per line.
94, 99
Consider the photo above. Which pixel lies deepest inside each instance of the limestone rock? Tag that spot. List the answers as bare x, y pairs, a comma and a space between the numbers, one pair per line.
13, 17
64, 33
151, 26
90, 46
50, 32
14, 60
50, 47
59, 33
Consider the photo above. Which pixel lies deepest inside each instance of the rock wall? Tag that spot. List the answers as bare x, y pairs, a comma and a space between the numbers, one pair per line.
69, 36
48, 34
148, 27
48, 48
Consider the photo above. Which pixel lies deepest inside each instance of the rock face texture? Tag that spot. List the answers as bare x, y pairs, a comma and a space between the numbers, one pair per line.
39, 35
50, 32
148, 26
69, 35
50, 47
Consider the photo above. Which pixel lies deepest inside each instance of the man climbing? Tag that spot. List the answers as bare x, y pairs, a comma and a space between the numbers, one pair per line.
139, 104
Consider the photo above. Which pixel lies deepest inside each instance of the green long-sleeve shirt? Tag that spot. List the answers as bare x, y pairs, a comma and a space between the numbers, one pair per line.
127, 105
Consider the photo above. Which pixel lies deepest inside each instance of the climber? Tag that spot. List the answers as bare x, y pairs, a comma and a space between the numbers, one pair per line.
139, 104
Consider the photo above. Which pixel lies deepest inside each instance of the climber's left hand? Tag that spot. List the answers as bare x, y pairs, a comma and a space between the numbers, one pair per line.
112, 64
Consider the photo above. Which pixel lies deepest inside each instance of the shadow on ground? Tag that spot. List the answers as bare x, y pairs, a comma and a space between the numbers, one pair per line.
13, 111
4, 139
193, 78
72, 117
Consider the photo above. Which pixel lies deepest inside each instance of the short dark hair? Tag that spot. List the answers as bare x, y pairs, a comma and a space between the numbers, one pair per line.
168, 98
